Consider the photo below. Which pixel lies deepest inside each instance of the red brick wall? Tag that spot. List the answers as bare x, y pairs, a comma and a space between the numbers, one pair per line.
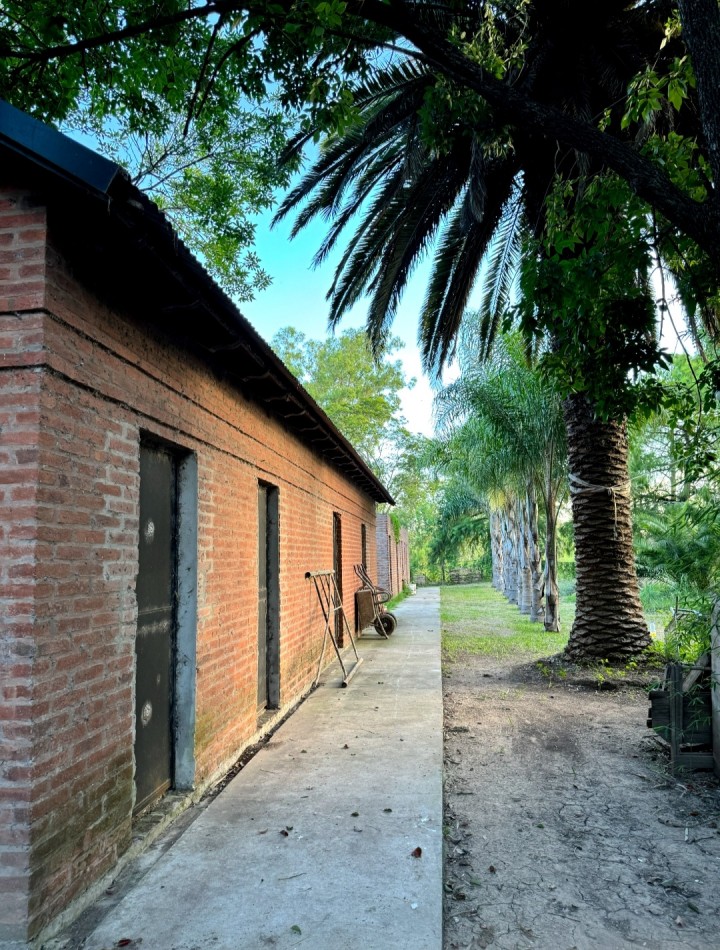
393, 562
69, 479
22, 256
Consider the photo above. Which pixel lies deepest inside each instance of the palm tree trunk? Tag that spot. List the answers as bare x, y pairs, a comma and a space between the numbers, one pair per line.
510, 553
609, 622
525, 571
536, 584
552, 594
496, 550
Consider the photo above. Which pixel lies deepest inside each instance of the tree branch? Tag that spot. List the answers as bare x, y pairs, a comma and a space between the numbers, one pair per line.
214, 7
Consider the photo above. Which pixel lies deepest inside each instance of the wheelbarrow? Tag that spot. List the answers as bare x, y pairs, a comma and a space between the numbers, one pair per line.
381, 618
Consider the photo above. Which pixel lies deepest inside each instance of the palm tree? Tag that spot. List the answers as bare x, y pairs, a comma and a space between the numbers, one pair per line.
523, 412
461, 524
413, 174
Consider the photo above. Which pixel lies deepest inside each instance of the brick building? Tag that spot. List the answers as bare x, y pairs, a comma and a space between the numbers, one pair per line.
393, 557
165, 483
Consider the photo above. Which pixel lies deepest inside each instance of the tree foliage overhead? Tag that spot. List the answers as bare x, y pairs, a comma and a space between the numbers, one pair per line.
657, 62
176, 118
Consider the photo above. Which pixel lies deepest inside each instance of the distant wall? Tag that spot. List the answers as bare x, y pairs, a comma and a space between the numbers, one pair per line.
393, 558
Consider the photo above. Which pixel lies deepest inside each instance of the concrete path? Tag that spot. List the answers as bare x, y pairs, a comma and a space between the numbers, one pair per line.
311, 845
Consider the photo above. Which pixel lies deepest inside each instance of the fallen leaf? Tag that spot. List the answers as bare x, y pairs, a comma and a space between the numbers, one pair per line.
263, 832
417, 853
125, 942
387, 809
492, 869
354, 814
288, 827
346, 746
283, 833
295, 929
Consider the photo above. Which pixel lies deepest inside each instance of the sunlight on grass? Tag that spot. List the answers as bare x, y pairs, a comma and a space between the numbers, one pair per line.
477, 619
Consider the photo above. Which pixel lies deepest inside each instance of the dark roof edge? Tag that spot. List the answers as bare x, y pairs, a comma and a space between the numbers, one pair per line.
100, 178
56, 152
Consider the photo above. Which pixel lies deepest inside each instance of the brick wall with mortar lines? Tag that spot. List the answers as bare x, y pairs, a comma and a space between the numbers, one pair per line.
19, 417
104, 381
23, 238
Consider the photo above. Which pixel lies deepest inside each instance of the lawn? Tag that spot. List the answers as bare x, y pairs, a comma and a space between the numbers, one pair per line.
477, 619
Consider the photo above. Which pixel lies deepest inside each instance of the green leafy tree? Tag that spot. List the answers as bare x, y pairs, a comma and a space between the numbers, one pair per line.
158, 104
677, 506
361, 395
460, 533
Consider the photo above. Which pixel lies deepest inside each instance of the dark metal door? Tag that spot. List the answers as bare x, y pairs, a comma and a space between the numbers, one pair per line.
262, 690
154, 644
337, 567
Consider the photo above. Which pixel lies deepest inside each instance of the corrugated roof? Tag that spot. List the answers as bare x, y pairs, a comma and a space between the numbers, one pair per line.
118, 239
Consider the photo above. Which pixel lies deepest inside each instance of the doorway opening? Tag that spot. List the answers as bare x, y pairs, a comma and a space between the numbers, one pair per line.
337, 567
268, 680
166, 627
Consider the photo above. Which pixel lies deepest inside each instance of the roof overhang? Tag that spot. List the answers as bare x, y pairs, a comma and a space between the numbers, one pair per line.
116, 239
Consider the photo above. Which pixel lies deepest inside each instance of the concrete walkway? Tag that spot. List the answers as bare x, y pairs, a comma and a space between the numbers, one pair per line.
311, 845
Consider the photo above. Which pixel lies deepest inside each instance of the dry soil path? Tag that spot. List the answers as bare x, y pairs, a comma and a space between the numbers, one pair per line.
563, 828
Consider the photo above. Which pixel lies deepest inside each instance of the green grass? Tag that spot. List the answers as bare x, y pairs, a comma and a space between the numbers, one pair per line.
477, 619
398, 598
658, 597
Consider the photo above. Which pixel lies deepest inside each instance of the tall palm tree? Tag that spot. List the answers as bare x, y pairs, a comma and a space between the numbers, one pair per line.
523, 411
417, 170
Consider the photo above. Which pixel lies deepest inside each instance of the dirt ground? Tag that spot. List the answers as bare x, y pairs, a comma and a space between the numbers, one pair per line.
563, 827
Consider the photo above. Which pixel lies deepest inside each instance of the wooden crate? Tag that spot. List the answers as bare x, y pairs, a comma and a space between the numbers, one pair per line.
681, 714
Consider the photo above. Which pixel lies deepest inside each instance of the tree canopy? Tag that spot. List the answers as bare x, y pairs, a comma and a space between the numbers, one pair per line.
144, 58
361, 394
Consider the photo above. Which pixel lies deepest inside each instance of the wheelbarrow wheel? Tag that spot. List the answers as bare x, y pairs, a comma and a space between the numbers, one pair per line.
386, 624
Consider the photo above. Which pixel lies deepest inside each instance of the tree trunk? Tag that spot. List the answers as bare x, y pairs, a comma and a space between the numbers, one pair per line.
609, 622
552, 594
510, 559
701, 34
496, 550
525, 571
536, 582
